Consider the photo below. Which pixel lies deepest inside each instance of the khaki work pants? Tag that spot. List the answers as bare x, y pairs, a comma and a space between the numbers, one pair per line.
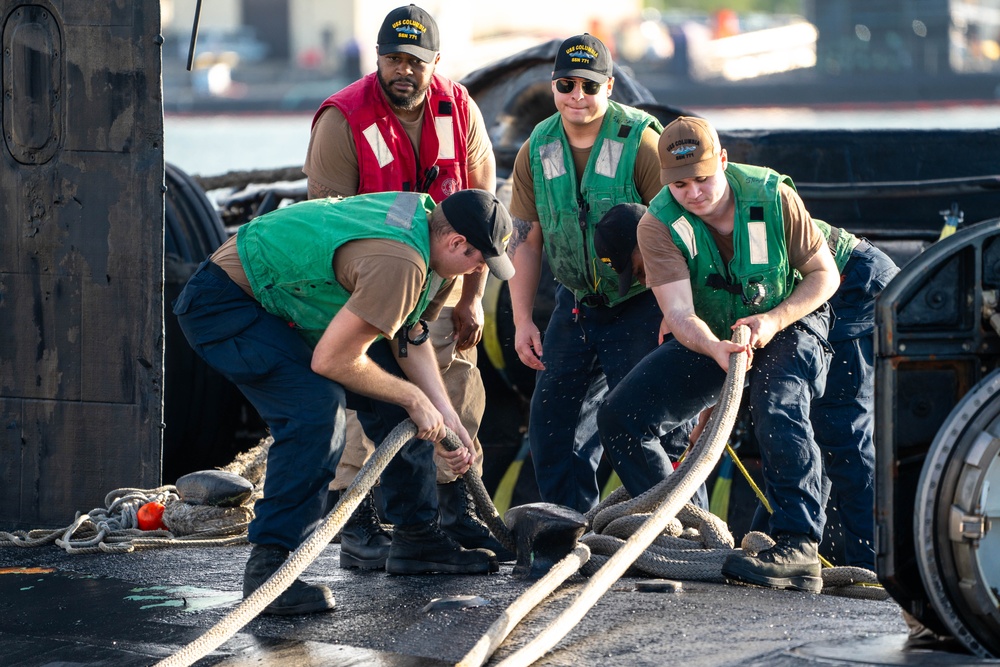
465, 390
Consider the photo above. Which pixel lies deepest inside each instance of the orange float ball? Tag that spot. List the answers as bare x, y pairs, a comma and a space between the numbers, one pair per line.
151, 516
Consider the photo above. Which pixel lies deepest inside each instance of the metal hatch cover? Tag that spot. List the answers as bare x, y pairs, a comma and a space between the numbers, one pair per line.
955, 525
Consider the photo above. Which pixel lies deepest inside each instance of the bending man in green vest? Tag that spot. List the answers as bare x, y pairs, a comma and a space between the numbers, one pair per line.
407, 128
726, 244
298, 310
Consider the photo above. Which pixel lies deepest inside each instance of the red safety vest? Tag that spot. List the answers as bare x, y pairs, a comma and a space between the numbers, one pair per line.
385, 155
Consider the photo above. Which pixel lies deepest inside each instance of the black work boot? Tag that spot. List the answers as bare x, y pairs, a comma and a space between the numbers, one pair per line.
299, 598
425, 548
364, 543
793, 562
461, 522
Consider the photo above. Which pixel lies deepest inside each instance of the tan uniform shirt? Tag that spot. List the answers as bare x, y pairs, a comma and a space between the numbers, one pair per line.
361, 267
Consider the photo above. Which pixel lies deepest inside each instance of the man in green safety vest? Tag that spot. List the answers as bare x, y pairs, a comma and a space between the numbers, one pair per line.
588, 158
725, 245
322, 303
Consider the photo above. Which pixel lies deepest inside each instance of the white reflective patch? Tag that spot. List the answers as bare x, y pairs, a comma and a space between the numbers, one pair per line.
552, 160
608, 158
435, 283
445, 127
403, 208
758, 242
684, 230
378, 145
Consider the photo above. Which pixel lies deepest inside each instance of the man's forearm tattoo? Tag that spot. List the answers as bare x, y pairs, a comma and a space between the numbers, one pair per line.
521, 229
317, 191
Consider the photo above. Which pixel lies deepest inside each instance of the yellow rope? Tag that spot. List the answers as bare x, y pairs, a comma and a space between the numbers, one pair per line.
759, 493
746, 475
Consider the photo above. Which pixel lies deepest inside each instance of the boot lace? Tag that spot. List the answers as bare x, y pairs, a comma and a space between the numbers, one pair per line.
367, 518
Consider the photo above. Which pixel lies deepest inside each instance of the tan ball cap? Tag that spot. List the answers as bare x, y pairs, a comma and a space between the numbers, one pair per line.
689, 148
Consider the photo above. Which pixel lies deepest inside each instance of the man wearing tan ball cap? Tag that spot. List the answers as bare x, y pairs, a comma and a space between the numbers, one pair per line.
689, 150
726, 244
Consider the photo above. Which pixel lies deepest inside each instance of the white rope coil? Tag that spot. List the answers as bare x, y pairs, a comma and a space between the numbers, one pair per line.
114, 528
696, 547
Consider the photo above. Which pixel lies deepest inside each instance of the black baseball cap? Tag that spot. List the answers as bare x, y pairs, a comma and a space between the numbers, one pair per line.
485, 223
615, 241
409, 30
584, 56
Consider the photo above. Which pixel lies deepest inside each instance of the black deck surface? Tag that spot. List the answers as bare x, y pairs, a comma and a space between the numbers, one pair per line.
135, 609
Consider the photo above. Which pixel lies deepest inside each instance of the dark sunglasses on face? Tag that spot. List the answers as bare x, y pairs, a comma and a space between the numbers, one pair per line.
566, 86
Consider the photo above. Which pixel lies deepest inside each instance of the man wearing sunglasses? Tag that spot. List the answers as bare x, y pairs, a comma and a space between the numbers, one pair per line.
405, 127
588, 157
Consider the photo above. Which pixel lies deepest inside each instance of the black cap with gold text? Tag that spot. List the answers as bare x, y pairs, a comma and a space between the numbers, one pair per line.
409, 30
583, 56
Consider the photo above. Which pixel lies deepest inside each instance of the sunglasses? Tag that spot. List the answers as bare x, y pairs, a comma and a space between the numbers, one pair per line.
566, 86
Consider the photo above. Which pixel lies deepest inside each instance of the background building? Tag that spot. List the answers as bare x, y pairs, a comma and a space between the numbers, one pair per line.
326, 34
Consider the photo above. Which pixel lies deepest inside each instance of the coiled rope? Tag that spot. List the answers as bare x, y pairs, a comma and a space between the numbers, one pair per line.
691, 474
114, 528
307, 552
694, 546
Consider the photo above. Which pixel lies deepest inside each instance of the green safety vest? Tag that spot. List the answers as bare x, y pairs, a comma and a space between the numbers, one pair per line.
840, 241
288, 253
758, 277
567, 214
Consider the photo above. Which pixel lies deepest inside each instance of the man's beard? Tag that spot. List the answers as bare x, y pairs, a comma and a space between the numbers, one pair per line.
403, 102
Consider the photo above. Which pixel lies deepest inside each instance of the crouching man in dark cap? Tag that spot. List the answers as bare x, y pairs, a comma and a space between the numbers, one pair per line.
724, 245
321, 304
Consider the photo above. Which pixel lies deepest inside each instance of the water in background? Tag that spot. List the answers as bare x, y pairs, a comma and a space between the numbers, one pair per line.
210, 145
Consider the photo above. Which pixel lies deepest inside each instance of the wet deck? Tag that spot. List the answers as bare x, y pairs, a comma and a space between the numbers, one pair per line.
135, 609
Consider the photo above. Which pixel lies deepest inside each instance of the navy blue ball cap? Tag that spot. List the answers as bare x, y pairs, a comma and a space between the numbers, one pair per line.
583, 56
485, 223
409, 30
615, 241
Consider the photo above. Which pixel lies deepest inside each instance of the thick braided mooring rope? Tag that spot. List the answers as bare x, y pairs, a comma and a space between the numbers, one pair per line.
307, 552
299, 559
695, 546
691, 474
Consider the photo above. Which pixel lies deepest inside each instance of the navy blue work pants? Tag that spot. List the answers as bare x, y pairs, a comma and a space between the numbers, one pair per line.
271, 364
578, 350
844, 417
674, 384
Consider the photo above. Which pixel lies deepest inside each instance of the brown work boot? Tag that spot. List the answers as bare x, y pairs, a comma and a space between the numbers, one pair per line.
425, 548
299, 598
793, 563
364, 543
